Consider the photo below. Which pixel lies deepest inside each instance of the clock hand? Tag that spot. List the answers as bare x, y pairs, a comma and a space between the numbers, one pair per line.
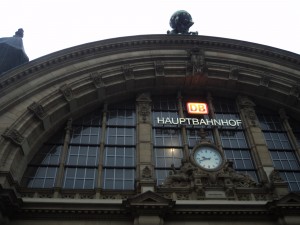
203, 159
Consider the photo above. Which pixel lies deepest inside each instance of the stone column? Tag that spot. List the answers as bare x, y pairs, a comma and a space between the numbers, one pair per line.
186, 152
256, 138
144, 145
101, 155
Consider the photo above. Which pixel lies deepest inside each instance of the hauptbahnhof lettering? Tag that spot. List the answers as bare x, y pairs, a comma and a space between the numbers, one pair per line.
198, 122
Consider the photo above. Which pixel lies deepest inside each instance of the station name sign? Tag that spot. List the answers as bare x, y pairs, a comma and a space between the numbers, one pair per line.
198, 108
198, 122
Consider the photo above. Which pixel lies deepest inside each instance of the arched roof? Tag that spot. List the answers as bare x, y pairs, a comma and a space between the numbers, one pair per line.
38, 97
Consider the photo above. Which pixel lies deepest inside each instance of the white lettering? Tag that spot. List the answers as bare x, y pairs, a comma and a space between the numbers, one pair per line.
195, 121
232, 123
181, 120
209, 122
202, 121
224, 122
176, 122
168, 121
238, 122
160, 120
217, 122
189, 120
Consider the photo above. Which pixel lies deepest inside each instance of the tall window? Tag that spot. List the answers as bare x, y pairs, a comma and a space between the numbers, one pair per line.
82, 156
119, 152
233, 139
42, 170
77, 164
166, 137
283, 155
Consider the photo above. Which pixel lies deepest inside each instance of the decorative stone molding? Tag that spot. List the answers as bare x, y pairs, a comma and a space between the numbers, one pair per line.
275, 177
159, 68
148, 203
67, 92
38, 110
144, 101
97, 79
295, 90
14, 135
265, 80
197, 60
223, 184
234, 73
144, 111
128, 72
69, 124
146, 173
247, 105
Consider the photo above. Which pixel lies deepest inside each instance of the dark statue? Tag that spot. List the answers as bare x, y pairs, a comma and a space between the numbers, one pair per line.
19, 33
12, 53
181, 21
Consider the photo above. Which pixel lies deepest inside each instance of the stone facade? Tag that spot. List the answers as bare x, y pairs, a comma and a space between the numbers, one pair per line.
40, 97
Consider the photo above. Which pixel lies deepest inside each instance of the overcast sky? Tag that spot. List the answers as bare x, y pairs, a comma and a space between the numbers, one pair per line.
53, 25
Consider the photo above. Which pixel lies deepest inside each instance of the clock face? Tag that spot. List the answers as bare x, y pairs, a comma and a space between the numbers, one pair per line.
208, 157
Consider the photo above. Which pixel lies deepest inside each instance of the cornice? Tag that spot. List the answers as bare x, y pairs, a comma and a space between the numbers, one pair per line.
135, 43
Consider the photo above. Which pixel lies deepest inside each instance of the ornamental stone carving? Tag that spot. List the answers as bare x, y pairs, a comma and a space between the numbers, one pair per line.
146, 173
128, 72
275, 177
247, 105
67, 92
265, 80
38, 110
97, 79
14, 135
295, 90
197, 60
225, 183
159, 68
234, 73
144, 101
181, 177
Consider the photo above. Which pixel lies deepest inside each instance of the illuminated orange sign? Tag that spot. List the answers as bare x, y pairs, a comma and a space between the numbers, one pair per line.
197, 108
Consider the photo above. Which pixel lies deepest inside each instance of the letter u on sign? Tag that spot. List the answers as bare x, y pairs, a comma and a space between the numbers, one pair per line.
197, 108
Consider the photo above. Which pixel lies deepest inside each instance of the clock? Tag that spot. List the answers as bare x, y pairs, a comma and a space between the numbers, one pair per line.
207, 157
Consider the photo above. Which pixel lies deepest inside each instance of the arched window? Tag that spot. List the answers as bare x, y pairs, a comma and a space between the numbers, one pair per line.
94, 151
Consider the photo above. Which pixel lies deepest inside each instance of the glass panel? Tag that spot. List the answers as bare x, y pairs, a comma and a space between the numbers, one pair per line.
168, 156
82, 155
41, 177
80, 178
119, 179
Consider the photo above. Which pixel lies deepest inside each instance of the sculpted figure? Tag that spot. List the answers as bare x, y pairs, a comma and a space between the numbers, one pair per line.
181, 21
240, 179
19, 33
180, 177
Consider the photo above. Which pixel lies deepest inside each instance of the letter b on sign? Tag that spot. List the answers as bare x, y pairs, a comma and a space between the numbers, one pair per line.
197, 108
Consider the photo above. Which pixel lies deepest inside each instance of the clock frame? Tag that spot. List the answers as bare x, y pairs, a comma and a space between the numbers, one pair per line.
207, 157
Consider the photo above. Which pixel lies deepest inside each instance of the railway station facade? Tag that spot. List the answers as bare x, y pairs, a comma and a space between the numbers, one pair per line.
119, 131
